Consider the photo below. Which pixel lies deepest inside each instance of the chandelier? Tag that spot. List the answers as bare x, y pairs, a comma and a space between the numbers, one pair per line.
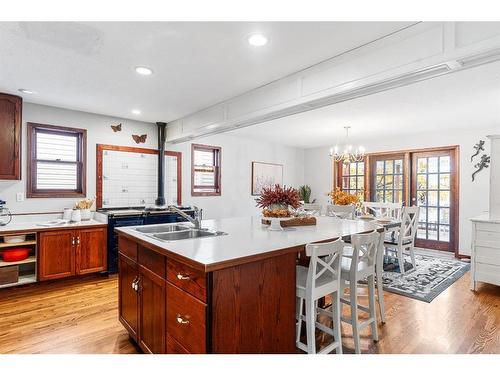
347, 153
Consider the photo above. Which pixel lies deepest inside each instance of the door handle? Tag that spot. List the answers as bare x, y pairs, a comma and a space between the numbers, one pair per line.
78, 240
73, 241
180, 276
182, 320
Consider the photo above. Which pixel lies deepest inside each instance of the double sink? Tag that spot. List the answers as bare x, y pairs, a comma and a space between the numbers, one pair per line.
176, 232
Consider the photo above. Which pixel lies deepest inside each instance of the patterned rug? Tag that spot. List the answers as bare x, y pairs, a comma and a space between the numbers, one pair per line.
431, 276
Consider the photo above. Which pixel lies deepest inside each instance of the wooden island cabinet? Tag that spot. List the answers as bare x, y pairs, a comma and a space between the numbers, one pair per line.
69, 252
170, 306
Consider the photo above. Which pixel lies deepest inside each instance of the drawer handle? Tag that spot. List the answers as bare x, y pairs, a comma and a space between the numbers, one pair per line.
181, 320
180, 276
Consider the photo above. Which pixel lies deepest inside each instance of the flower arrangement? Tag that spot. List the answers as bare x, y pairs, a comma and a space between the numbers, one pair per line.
275, 201
343, 198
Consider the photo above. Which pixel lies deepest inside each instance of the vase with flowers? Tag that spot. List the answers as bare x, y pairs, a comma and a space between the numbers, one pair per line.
343, 198
276, 203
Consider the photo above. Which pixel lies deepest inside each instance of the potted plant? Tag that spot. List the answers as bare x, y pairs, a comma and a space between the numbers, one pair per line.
305, 194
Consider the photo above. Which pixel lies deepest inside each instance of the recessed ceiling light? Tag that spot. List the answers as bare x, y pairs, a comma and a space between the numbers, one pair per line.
26, 91
212, 126
257, 40
136, 112
145, 71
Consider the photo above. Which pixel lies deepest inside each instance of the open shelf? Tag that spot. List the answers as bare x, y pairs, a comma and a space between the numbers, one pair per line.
24, 279
31, 259
19, 244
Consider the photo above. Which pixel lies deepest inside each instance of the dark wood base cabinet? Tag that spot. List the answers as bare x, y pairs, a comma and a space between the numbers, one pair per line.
168, 306
69, 252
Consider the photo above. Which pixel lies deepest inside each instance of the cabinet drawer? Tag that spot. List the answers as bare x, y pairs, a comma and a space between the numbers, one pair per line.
187, 278
488, 227
487, 255
186, 319
152, 261
127, 247
487, 273
489, 239
173, 347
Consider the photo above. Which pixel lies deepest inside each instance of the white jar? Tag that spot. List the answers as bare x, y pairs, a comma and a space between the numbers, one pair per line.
86, 214
76, 216
67, 213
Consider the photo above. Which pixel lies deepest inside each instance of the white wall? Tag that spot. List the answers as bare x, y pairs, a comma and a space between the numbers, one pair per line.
237, 156
98, 131
473, 195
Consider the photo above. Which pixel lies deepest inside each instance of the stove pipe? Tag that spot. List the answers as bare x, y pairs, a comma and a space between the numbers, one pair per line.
162, 135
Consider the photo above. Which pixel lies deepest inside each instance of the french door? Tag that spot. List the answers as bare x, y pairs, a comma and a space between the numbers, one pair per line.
433, 188
387, 175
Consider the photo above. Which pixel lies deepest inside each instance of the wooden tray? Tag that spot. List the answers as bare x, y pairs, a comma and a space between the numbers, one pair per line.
295, 222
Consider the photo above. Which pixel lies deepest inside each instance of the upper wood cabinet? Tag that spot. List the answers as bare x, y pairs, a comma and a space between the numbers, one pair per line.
10, 137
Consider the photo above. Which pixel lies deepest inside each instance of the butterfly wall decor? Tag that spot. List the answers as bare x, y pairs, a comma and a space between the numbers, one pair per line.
139, 138
117, 128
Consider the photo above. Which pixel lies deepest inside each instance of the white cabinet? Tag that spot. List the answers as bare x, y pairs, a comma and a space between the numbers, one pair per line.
485, 255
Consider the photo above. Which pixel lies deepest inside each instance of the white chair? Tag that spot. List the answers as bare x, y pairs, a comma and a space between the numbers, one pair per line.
320, 279
341, 211
358, 264
382, 209
405, 237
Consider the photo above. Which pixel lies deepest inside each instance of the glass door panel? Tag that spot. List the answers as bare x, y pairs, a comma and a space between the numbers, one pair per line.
432, 176
388, 178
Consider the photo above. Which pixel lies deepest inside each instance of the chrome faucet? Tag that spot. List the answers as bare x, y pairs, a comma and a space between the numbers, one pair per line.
198, 215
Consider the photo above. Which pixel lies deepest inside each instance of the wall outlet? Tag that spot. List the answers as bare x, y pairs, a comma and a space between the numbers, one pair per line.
19, 197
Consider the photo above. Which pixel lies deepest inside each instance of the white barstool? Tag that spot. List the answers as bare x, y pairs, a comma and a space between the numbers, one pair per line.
358, 263
405, 237
320, 279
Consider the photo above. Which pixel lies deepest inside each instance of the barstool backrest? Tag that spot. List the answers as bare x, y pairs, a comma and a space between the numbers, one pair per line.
365, 247
381, 209
324, 263
409, 223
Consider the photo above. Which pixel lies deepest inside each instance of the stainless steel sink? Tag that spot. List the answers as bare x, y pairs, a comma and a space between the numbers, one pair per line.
163, 228
187, 234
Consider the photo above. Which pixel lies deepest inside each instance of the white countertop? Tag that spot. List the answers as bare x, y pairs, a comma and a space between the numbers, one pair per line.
486, 218
35, 226
247, 237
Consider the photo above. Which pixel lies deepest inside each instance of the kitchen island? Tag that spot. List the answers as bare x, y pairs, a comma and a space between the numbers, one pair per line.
230, 293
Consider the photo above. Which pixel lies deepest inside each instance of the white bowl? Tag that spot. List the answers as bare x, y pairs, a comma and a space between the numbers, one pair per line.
15, 239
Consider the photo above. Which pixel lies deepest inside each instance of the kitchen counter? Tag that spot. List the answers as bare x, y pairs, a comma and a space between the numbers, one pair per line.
246, 240
233, 293
23, 227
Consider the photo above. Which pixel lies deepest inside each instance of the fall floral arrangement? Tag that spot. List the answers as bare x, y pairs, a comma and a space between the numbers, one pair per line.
275, 200
343, 198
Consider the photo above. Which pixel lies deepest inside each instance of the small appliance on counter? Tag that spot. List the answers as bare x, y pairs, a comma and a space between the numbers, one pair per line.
5, 215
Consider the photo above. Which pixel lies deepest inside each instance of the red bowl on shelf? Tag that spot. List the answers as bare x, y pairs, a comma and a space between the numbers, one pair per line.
15, 255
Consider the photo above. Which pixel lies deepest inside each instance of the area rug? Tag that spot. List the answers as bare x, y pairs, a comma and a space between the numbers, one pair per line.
431, 276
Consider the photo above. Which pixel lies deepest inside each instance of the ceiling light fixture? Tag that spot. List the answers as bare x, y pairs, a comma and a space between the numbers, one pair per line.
26, 91
212, 126
136, 112
142, 70
347, 155
257, 40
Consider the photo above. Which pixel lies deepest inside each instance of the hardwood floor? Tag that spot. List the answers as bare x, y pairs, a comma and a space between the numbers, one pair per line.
81, 316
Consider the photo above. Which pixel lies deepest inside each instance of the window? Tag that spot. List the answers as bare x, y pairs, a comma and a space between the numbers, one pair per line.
388, 179
353, 177
56, 161
205, 170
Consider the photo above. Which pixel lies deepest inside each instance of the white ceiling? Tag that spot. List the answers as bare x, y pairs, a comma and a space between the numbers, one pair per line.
464, 99
90, 66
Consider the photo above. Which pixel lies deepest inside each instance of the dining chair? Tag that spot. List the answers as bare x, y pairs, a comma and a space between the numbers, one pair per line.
312, 207
341, 211
320, 279
404, 239
359, 263
383, 209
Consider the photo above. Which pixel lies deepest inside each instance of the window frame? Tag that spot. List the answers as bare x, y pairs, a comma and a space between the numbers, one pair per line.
217, 152
81, 162
341, 176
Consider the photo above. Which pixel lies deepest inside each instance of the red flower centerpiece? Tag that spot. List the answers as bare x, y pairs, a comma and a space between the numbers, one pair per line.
276, 200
